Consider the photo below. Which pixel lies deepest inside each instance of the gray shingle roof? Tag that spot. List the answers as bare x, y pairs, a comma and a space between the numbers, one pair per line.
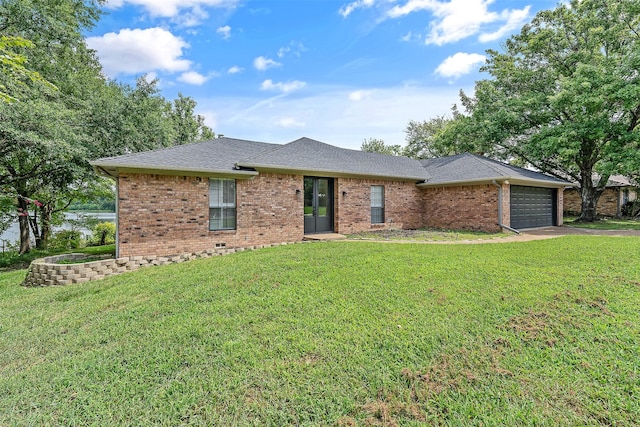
313, 156
213, 156
468, 168
237, 157
615, 181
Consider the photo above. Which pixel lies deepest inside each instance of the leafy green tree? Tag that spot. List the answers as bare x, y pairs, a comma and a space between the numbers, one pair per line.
424, 139
48, 138
373, 145
13, 66
188, 125
564, 95
42, 138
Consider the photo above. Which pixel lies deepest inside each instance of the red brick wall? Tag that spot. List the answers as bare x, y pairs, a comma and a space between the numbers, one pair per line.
607, 203
469, 207
572, 201
403, 205
163, 215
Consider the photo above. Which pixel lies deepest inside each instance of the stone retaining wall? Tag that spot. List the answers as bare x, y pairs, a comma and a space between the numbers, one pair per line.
47, 271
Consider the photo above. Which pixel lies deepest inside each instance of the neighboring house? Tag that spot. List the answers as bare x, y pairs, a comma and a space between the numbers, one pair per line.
235, 193
617, 193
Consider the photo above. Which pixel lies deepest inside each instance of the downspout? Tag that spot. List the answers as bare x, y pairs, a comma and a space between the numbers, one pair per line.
117, 217
500, 208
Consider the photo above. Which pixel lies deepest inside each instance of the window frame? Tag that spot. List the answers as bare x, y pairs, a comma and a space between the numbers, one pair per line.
227, 209
377, 206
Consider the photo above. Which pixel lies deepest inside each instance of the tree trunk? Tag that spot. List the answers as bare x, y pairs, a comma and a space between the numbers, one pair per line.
42, 241
23, 222
45, 230
590, 195
33, 220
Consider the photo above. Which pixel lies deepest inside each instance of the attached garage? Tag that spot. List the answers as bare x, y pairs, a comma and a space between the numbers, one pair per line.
532, 206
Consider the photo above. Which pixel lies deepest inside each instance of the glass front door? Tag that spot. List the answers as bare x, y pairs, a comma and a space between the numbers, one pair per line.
318, 204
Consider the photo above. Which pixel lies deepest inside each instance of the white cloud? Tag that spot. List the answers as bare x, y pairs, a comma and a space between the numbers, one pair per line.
458, 19
139, 51
459, 64
234, 70
329, 115
193, 78
410, 7
359, 95
294, 48
172, 8
346, 9
286, 87
150, 76
515, 19
225, 32
191, 18
290, 122
261, 63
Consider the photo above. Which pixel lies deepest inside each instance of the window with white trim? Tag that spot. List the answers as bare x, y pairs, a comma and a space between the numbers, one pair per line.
222, 204
377, 204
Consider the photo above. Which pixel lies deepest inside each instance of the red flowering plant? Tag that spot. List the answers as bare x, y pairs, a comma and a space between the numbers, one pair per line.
25, 212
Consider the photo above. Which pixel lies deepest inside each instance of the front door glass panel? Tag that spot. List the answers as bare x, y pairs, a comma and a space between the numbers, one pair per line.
323, 197
318, 205
308, 197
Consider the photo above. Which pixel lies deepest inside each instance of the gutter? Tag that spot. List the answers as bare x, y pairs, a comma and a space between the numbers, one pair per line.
500, 208
515, 181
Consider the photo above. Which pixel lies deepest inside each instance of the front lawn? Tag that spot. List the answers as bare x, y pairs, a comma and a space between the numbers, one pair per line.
335, 333
605, 223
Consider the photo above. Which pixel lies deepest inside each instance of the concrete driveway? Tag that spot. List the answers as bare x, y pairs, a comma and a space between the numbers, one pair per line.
565, 230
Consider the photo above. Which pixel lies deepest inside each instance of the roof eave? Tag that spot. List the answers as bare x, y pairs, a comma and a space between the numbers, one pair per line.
114, 169
500, 179
328, 173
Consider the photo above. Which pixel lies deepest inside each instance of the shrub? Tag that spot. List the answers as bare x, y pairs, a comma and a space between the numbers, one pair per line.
104, 234
631, 208
67, 239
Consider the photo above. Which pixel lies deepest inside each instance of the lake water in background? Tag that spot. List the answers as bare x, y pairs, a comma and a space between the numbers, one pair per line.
12, 234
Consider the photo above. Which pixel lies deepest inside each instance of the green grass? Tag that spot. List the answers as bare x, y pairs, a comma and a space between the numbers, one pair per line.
11, 260
341, 333
605, 223
82, 260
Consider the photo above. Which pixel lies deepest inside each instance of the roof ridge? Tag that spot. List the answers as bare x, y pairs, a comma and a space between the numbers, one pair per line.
489, 163
271, 150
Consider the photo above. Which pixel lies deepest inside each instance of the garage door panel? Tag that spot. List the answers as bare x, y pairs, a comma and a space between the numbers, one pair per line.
532, 206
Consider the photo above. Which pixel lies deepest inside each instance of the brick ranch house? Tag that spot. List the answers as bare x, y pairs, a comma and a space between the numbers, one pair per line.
618, 191
235, 193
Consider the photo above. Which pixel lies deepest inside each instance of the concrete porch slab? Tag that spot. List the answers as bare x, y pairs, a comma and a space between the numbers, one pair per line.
323, 236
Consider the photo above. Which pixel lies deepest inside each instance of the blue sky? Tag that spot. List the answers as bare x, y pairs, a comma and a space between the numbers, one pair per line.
336, 71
